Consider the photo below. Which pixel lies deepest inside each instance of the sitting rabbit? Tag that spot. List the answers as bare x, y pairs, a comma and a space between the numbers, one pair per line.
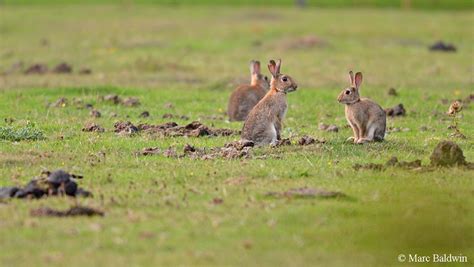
264, 122
245, 97
367, 118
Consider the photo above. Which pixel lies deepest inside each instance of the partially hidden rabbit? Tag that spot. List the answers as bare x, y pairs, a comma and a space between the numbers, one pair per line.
264, 122
366, 118
245, 97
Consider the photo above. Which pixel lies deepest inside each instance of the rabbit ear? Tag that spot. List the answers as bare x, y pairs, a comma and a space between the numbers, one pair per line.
351, 76
254, 67
278, 65
358, 79
272, 68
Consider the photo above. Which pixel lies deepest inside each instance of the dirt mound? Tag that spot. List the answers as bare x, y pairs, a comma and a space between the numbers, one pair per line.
125, 128
95, 113
93, 127
71, 212
308, 140
54, 183
62, 68
398, 110
447, 153
37, 69
443, 47
115, 99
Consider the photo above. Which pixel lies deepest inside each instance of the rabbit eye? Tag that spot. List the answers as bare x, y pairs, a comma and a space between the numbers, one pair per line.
266, 78
348, 92
284, 79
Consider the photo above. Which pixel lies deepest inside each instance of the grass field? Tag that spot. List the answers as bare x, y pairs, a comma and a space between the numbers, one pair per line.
160, 211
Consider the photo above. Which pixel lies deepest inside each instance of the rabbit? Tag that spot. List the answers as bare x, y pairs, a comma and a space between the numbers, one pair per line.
366, 118
264, 122
245, 97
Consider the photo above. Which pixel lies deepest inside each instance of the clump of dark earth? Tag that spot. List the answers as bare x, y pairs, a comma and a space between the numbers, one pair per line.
37, 69
92, 127
308, 140
71, 212
54, 183
131, 102
447, 153
85, 71
398, 110
173, 116
306, 192
60, 103
328, 128
149, 151
283, 142
443, 47
125, 128
62, 68
95, 113
144, 114
397, 129
392, 92
115, 99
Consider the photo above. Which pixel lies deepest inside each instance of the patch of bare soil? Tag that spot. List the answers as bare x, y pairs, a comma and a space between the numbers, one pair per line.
392, 162
92, 127
193, 129
306, 192
398, 110
71, 212
48, 183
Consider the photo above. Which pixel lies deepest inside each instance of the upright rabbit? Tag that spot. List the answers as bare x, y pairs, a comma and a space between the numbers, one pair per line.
264, 122
245, 97
366, 117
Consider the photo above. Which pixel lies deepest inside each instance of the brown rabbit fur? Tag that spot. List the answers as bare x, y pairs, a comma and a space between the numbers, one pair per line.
245, 97
367, 118
264, 122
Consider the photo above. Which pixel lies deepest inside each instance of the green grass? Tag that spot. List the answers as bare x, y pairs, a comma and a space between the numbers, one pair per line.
406, 4
159, 211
